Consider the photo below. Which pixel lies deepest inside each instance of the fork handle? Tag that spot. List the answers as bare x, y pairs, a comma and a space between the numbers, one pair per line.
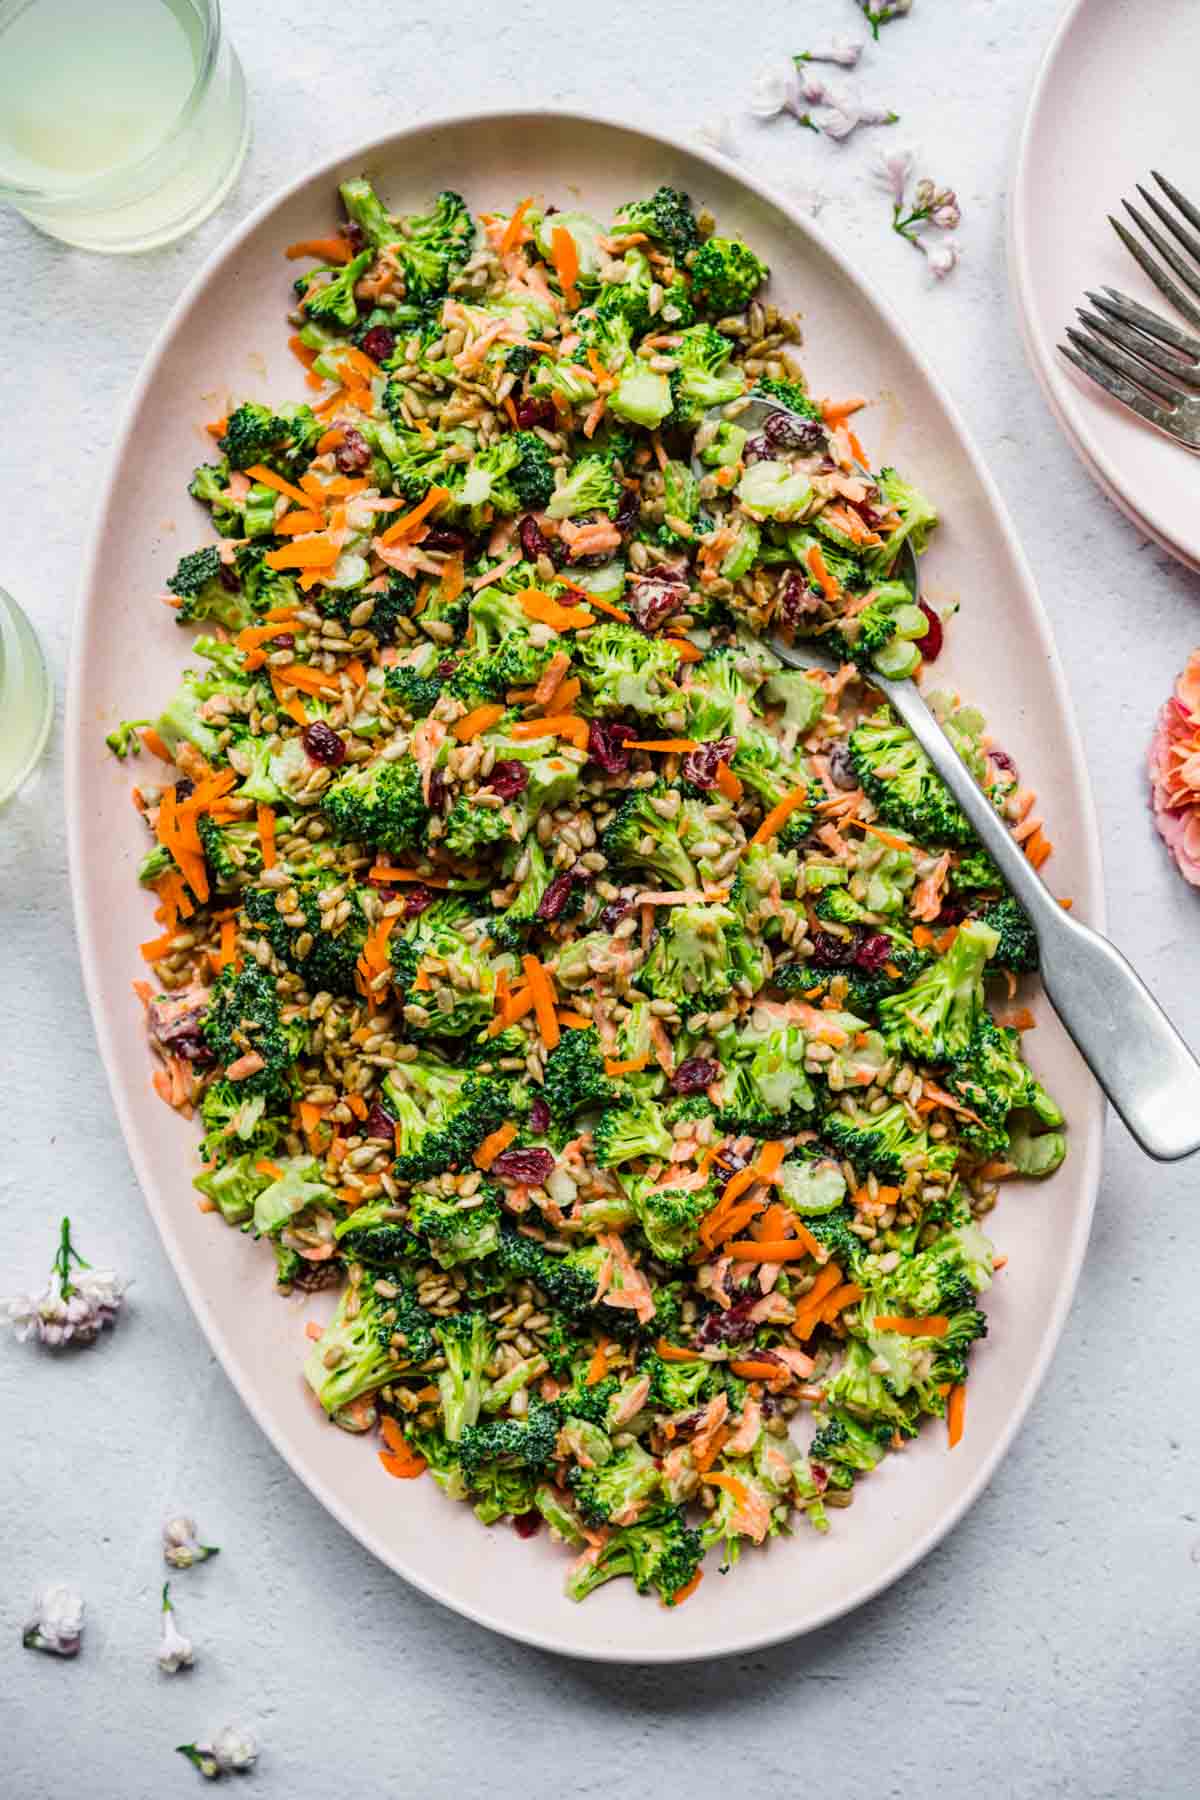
1131, 1047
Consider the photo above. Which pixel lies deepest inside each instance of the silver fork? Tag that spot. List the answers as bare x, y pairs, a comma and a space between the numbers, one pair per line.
1142, 359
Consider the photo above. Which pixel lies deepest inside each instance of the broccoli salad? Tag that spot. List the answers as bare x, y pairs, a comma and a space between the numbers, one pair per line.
620, 1021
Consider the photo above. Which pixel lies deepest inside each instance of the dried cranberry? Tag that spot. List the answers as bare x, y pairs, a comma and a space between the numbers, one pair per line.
952, 913
227, 576
285, 641
701, 765
533, 1167
535, 543
629, 511
758, 449
695, 1075
930, 645
653, 598
354, 235
557, 893
446, 667
183, 787
380, 1124
177, 1026
796, 596
379, 343
606, 744
323, 744
872, 951
444, 537
527, 1524
532, 413
829, 952
437, 791
416, 899
787, 432
508, 779
733, 1326
1002, 759
354, 452
614, 912
539, 1116
841, 766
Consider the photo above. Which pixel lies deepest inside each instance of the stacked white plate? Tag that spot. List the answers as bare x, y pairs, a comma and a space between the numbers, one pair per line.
1115, 97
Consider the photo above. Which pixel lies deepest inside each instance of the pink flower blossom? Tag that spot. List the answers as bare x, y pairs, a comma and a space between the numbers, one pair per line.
1174, 764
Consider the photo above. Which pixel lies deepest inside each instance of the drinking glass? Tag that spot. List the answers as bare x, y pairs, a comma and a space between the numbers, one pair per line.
26, 697
122, 122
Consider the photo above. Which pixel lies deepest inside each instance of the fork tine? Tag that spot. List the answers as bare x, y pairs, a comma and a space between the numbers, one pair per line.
1114, 332
1119, 306
1186, 273
1190, 212
1191, 244
1119, 389
1162, 281
1127, 366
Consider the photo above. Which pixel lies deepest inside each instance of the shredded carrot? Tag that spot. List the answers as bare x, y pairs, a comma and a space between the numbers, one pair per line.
155, 745
228, 950
956, 1412
305, 553
481, 719
688, 652
737, 1184
687, 1590
515, 233
566, 263
453, 579
268, 478
266, 835
732, 1485
574, 1021
543, 1001
820, 573
406, 1467
673, 1352
157, 947
217, 428
631, 1066
776, 1250
310, 681
597, 1369
846, 1295
779, 815
934, 1325
325, 249
408, 522
564, 725
606, 606
357, 1105
750, 1370
492, 1145
1038, 848
514, 1008
663, 744
769, 1159
332, 439
388, 872
546, 611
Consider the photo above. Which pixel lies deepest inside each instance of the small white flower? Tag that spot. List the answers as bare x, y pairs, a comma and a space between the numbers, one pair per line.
234, 1750
813, 90
717, 134
877, 115
180, 1548
891, 170
174, 1650
838, 124
946, 215
775, 90
75, 1305
842, 50
942, 258
56, 1621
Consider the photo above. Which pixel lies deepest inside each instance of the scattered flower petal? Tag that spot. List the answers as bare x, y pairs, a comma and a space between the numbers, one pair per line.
174, 1650
941, 258
180, 1547
840, 121
75, 1305
842, 50
882, 12
892, 169
56, 1621
776, 90
232, 1752
1174, 764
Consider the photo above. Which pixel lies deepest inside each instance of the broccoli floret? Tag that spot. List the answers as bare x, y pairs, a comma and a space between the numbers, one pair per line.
328, 295
442, 1114
669, 1218
761, 766
472, 831
417, 462
450, 933
666, 217
974, 872
233, 853
124, 741
466, 1342
532, 475
701, 379
381, 804
628, 1131
251, 517
789, 394
354, 1354
678, 1386
574, 1079
765, 1091
721, 698
846, 1448
376, 1234
457, 1232
885, 1143
591, 485
1018, 946
619, 1489
330, 957
886, 634
991, 1078
661, 1553
942, 1278
694, 960
243, 1018
681, 506
236, 1122
207, 589
917, 520
623, 670
935, 1017
568, 1282
255, 434
859, 1390
411, 692
511, 927
640, 838
527, 1443
898, 777
430, 247
726, 274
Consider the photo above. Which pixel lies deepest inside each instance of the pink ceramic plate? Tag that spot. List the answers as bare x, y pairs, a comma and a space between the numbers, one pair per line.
1114, 98
228, 331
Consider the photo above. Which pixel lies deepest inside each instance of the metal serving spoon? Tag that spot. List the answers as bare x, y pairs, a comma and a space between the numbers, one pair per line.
1131, 1047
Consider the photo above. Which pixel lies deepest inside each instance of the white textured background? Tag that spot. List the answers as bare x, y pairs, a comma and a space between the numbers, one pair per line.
1049, 1647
